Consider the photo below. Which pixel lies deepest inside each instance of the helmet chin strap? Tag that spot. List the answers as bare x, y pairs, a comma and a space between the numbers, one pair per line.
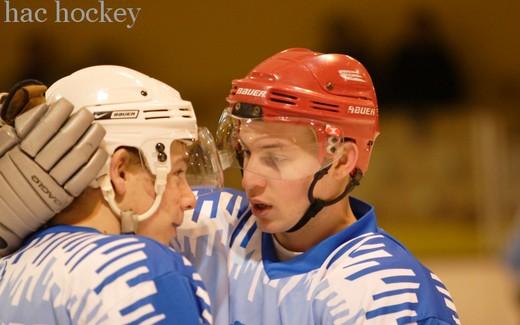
129, 219
318, 204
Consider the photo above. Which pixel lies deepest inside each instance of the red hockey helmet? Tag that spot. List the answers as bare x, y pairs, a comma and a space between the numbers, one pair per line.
300, 83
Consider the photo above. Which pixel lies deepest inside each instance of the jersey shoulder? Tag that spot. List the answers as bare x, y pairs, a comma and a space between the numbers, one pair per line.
82, 271
389, 281
88, 254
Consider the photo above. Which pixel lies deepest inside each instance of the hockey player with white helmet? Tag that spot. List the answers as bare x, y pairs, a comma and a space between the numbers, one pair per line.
297, 248
140, 112
104, 259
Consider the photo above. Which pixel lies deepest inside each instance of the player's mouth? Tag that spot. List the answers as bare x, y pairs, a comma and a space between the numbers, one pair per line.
260, 209
177, 223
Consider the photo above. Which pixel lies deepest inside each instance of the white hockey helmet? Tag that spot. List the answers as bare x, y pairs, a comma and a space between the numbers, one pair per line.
144, 113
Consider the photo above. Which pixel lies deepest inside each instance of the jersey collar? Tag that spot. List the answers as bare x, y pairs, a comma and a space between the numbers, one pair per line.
314, 257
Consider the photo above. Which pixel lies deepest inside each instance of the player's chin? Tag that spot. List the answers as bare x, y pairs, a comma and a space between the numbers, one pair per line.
269, 226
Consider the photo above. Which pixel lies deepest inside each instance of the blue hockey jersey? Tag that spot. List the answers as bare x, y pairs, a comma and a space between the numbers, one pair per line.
75, 275
360, 275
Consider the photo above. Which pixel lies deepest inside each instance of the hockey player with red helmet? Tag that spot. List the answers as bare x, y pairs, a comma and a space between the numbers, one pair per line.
299, 249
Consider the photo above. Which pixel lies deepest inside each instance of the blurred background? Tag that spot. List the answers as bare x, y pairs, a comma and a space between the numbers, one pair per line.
443, 174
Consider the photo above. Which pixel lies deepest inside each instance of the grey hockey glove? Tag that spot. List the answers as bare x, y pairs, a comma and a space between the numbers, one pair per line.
46, 159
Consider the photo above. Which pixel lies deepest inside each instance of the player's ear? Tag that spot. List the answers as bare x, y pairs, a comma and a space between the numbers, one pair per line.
119, 170
345, 160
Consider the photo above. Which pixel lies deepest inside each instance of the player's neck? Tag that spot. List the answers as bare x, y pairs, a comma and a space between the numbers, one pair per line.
89, 210
328, 222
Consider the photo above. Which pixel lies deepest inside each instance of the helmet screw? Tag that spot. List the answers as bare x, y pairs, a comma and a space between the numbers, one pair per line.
159, 147
237, 106
329, 85
162, 157
144, 93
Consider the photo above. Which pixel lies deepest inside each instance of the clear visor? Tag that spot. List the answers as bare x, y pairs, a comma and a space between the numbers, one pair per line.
284, 148
203, 164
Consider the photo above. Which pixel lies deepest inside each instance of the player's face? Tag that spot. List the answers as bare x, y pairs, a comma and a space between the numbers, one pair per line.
177, 198
273, 159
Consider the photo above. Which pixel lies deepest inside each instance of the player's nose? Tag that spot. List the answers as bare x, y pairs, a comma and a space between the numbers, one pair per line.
252, 181
188, 199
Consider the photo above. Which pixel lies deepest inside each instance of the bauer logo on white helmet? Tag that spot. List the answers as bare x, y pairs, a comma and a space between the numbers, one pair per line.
116, 115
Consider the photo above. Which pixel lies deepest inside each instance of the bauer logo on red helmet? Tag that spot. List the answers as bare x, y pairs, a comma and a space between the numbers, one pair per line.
362, 110
251, 92
351, 75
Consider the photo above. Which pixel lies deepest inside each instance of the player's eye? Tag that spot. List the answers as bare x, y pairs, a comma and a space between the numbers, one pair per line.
273, 161
179, 171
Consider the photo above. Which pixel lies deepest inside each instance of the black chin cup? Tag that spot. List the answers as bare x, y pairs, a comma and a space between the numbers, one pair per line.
318, 204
